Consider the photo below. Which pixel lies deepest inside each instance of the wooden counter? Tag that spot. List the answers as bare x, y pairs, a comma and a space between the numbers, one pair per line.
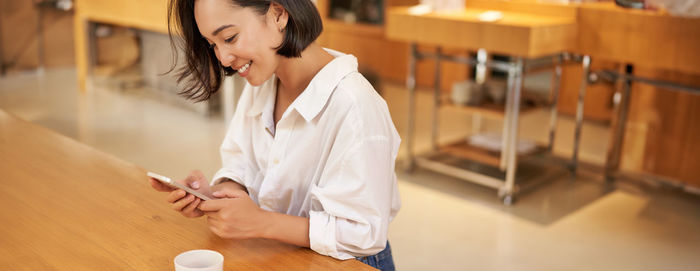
66, 206
651, 39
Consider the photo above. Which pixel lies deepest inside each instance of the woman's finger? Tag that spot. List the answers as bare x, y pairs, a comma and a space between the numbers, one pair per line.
228, 192
193, 183
182, 203
176, 195
192, 207
158, 186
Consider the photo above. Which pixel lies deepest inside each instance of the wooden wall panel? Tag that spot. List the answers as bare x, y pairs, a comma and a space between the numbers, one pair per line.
669, 124
19, 35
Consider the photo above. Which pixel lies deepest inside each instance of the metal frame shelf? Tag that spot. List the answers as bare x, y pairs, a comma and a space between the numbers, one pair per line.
507, 161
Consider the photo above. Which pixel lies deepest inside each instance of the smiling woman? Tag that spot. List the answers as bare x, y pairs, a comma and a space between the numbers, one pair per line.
309, 155
298, 22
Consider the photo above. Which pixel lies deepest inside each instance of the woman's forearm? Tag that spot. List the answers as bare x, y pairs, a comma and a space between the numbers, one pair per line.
286, 228
282, 227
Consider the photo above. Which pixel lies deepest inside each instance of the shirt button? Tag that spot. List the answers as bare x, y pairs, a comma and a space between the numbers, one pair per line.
276, 161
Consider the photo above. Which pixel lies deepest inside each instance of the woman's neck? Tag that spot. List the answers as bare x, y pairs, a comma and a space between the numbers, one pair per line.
295, 74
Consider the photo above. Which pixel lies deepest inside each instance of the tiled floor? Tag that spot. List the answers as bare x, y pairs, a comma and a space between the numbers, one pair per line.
445, 224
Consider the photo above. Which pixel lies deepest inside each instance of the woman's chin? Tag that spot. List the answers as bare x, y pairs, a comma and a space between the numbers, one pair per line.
254, 80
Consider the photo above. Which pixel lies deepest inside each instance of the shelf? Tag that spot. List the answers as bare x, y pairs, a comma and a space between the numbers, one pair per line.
531, 172
487, 109
462, 149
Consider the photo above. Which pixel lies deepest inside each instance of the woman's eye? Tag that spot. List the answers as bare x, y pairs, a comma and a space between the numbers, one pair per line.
229, 40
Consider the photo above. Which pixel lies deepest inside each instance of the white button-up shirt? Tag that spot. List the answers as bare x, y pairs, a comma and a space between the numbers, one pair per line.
330, 158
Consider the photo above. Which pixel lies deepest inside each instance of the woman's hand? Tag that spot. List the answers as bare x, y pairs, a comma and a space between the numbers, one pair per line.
234, 215
180, 200
228, 185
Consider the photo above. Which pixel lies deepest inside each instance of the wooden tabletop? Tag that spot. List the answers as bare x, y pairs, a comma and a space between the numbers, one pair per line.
140, 14
66, 206
518, 33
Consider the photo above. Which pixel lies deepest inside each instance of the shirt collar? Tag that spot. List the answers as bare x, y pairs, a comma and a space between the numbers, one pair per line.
314, 98
316, 95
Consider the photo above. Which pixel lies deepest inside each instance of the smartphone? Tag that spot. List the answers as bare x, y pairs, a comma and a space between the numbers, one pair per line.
167, 181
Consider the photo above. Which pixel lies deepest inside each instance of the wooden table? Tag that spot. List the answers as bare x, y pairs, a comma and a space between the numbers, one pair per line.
66, 206
517, 34
139, 14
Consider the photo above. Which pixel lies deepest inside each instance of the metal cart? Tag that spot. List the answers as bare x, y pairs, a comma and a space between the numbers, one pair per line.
442, 159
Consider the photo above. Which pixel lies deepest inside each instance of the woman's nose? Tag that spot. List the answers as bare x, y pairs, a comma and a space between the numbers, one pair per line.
227, 60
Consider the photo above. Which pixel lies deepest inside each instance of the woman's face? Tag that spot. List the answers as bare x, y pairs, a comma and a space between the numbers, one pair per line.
242, 38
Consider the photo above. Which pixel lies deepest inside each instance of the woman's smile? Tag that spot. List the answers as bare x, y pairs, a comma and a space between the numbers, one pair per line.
244, 70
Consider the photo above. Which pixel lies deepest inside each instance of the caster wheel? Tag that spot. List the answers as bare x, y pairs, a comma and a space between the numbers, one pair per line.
508, 200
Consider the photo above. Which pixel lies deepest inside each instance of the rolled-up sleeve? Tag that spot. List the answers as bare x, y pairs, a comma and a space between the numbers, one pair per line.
233, 161
352, 204
233, 164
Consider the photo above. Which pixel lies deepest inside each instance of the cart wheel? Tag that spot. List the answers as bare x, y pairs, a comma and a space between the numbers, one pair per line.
508, 200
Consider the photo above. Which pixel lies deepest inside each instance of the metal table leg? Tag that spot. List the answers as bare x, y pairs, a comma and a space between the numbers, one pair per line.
579, 112
411, 85
2, 60
554, 100
515, 79
476, 123
621, 101
506, 122
436, 102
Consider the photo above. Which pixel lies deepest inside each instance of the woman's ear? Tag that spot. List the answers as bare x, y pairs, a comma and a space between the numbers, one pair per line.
279, 15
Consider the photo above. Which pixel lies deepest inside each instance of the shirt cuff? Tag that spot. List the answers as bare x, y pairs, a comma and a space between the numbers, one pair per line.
225, 174
322, 235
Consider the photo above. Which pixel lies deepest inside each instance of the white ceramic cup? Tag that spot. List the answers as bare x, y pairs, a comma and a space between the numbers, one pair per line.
199, 260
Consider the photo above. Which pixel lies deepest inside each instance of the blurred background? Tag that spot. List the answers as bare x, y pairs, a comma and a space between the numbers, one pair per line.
624, 74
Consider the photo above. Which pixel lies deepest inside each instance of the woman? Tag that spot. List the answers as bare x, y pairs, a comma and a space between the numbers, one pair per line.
309, 155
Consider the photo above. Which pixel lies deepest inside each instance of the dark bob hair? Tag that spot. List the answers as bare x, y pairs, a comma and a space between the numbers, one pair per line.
203, 72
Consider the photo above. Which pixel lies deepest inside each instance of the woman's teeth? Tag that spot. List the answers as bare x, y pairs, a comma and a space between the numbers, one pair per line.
244, 68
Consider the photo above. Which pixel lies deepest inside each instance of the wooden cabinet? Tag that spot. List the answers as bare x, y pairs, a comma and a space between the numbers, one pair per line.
663, 127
